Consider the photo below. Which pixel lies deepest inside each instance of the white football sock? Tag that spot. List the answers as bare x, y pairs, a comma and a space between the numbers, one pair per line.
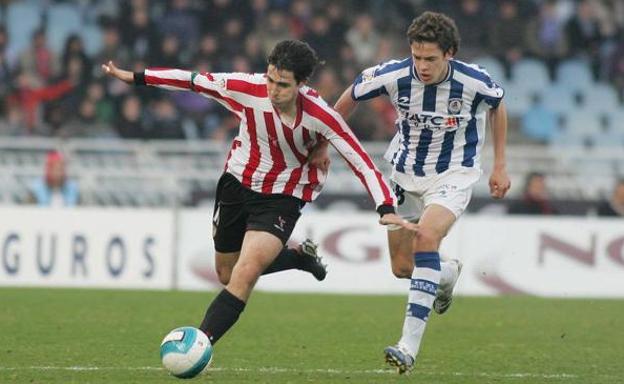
425, 279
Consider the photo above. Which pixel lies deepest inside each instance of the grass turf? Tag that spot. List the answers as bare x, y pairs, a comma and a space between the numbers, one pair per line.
100, 336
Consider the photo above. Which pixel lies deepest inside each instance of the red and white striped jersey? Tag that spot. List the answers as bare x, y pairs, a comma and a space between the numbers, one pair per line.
268, 156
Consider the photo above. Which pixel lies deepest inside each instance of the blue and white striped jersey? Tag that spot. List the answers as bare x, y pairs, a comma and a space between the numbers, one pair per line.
439, 126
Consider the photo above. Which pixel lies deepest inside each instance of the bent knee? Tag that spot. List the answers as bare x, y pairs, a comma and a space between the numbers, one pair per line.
428, 239
402, 271
224, 275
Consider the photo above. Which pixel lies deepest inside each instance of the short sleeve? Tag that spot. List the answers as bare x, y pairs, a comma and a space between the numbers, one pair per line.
368, 85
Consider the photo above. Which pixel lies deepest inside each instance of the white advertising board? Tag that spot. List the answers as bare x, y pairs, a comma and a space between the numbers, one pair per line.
86, 248
120, 248
559, 256
556, 256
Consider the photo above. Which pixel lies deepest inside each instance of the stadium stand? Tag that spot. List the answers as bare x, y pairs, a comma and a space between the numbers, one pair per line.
565, 109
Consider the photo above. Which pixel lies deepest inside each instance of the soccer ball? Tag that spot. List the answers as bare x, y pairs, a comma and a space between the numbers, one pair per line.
186, 352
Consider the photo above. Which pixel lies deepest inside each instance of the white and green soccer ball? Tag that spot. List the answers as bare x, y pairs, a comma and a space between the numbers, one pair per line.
186, 352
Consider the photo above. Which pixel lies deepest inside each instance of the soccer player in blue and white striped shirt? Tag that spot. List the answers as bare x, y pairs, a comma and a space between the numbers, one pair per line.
442, 106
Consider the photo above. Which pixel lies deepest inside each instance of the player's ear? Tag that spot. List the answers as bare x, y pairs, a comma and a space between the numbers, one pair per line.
449, 54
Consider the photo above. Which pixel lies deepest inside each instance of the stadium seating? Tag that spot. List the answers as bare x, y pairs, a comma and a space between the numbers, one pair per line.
161, 174
92, 39
531, 75
558, 99
63, 20
23, 18
494, 68
600, 98
574, 74
583, 122
518, 100
540, 123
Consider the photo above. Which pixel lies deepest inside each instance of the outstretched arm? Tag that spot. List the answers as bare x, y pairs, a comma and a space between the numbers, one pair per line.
499, 180
123, 75
210, 85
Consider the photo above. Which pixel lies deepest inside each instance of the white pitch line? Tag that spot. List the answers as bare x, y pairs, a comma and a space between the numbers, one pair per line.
276, 370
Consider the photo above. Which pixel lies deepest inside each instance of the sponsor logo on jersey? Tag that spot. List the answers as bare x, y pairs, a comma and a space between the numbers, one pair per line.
434, 122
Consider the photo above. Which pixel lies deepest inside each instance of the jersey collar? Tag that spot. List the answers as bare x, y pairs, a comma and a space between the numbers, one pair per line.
299, 115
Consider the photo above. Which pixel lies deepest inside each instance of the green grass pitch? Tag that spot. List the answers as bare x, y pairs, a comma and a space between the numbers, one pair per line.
101, 336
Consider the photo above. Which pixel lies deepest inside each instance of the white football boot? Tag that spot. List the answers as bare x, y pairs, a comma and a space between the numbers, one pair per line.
444, 293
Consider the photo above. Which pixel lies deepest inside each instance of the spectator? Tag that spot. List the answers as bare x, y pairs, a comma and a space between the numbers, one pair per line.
545, 36
300, 14
469, 17
139, 33
272, 31
507, 34
13, 122
327, 85
55, 189
170, 54
85, 123
6, 75
583, 31
129, 123
616, 67
38, 59
30, 94
231, 38
614, 207
253, 51
337, 20
181, 21
74, 54
164, 120
318, 36
208, 52
111, 46
104, 109
584, 35
535, 200
214, 16
363, 39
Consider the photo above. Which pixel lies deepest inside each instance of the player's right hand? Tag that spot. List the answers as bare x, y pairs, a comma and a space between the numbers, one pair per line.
112, 70
393, 218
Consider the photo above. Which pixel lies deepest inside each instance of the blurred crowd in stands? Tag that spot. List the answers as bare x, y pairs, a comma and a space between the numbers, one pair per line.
56, 89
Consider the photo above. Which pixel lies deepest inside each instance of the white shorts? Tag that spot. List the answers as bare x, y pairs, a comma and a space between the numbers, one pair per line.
451, 189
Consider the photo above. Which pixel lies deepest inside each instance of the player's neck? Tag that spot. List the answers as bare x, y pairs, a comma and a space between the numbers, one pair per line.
287, 112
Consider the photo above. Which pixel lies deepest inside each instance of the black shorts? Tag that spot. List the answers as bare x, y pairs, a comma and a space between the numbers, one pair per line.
238, 209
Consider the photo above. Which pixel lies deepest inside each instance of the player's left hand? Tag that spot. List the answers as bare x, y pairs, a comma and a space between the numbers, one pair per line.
111, 70
393, 218
319, 156
499, 183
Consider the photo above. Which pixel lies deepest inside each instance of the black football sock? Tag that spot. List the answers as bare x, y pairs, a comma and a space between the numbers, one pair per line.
288, 258
221, 315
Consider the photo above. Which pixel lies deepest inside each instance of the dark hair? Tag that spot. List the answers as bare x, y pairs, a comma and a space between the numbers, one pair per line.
432, 27
295, 56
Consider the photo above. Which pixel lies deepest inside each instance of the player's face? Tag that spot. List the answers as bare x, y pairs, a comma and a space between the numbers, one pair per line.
281, 87
430, 62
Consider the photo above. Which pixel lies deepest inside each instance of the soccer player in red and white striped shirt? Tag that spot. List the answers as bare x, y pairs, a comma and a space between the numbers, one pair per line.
267, 178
